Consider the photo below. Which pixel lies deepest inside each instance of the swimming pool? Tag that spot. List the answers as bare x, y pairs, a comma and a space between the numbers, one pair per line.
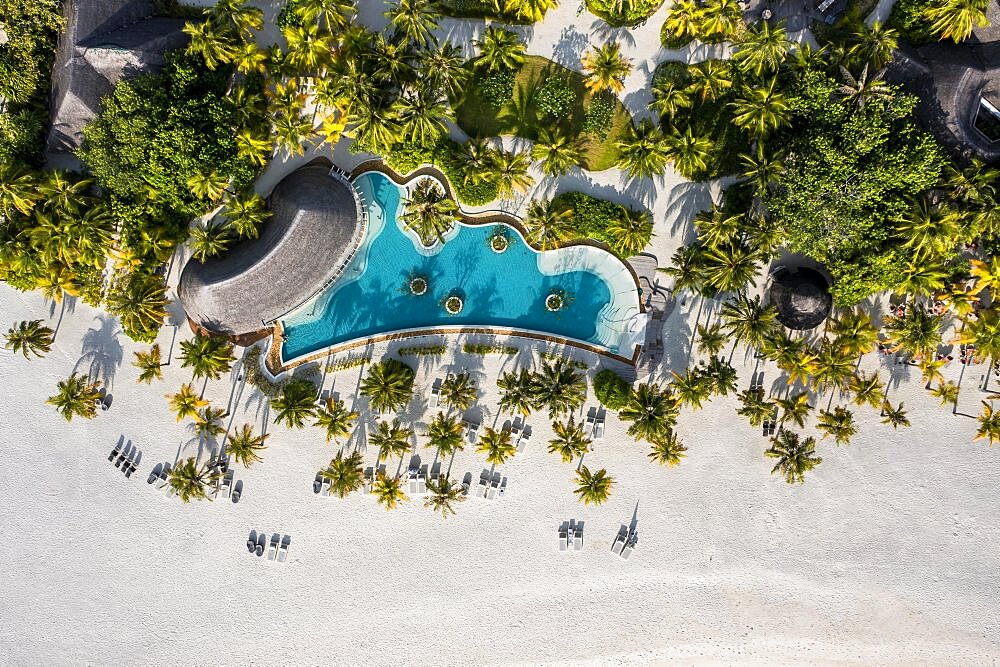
504, 290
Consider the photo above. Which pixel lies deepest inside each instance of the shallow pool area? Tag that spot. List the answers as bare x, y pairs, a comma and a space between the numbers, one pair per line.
505, 290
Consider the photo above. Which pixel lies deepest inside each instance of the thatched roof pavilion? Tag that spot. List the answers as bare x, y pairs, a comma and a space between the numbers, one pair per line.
104, 41
802, 297
315, 229
950, 80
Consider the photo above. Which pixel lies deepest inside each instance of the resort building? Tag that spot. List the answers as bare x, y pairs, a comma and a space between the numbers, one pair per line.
104, 41
959, 89
315, 229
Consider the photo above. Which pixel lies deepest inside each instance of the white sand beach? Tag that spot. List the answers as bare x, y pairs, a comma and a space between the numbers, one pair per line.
887, 555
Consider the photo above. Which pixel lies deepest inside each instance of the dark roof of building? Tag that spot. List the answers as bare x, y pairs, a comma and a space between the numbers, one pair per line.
950, 79
104, 41
315, 229
802, 297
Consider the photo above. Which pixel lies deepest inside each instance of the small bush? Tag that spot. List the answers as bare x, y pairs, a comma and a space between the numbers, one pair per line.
592, 218
288, 17
597, 121
425, 350
497, 88
555, 98
472, 348
630, 13
345, 364
908, 18
611, 390
554, 356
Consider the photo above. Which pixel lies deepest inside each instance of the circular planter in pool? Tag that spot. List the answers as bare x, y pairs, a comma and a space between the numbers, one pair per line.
453, 304
499, 243
418, 286
555, 302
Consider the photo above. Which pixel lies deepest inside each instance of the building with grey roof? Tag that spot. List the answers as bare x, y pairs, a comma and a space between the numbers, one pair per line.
104, 40
316, 227
959, 89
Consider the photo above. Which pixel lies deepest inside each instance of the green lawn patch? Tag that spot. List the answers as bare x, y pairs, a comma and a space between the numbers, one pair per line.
518, 113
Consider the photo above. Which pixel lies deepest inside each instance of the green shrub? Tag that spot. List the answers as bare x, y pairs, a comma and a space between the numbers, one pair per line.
611, 390
556, 356
593, 218
473, 348
449, 157
497, 88
597, 121
631, 12
908, 18
345, 364
425, 350
287, 17
671, 41
479, 9
255, 375
556, 98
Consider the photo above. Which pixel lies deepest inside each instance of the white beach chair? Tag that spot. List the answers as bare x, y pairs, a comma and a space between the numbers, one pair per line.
272, 550
491, 492
599, 428
435, 399
324, 489
578, 540
563, 540
590, 425
620, 540
481, 488
471, 431
525, 439
226, 486
283, 548
626, 552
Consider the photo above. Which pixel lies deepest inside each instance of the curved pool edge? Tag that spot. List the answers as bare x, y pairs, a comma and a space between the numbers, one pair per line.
587, 254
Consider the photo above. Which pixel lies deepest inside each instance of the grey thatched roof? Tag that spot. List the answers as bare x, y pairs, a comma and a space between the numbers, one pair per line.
802, 297
315, 229
950, 79
104, 41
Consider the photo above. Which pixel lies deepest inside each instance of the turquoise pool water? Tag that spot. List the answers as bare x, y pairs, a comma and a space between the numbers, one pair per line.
503, 290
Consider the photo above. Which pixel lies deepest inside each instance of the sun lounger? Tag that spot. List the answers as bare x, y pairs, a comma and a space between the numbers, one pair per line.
503, 485
116, 451
237, 492
481, 488
226, 486
283, 548
435, 399
626, 552
620, 540
251, 544
471, 431
525, 439
491, 492
465, 488
130, 467
272, 551
578, 540
123, 455
261, 543
599, 428
563, 539
317, 483
324, 488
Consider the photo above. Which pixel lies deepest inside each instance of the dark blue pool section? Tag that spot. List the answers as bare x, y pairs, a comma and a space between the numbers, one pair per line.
503, 290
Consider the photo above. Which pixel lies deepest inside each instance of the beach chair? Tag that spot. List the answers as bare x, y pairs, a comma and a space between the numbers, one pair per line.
599, 428
116, 451
261, 543
563, 539
481, 488
225, 485
577, 540
491, 492
465, 488
626, 552
283, 548
471, 431
236, 492
620, 540
590, 425
324, 488
318, 483
435, 399
525, 439
503, 486
252, 542
272, 551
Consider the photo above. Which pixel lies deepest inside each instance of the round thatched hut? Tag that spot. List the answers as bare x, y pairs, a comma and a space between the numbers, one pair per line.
802, 297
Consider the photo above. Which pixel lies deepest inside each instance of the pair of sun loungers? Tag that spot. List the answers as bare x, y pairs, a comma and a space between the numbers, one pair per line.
625, 542
276, 551
595, 425
471, 430
417, 479
571, 535
125, 457
491, 485
521, 435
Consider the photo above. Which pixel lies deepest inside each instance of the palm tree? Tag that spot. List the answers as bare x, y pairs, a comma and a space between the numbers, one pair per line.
499, 50
710, 79
691, 388
191, 482
295, 404
517, 391
391, 439
861, 89
947, 392
854, 333
208, 240
652, 411
530, 11
984, 332
235, 17
345, 473
458, 391
29, 337
761, 110
389, 491
309, 48
748, 320
593, 487
667, 450
292, 130
557, 151
719, 376
336, 419
496, 445
755, 407
430, 213
421, 116
414, 19
605, 68
445, 433
763, 168
894, 416
210, 186
762, 48
794, 408
686, 268
18, 190
207, 356
388, 385
139, 300
955, 19
149, 364
443, 70
443, 493
77, 396
929, 228
832, 367
510, 173
644, 151
186, 403
559, 387
249, 59
209, 42
331, 15
570, 441
795, 457
243, 444
246, 213
917, 332
668, 98
548, 224
730, 268
689, 153
874, 44
252, 147
987, 274
684, 19
838, 424
208, 422
630, 231
867, 390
